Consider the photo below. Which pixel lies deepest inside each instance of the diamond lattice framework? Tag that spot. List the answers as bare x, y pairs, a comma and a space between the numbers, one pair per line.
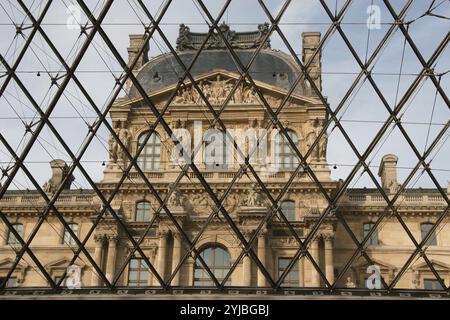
188, 202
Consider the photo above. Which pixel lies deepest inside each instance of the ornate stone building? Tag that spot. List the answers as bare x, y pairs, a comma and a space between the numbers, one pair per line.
215, 73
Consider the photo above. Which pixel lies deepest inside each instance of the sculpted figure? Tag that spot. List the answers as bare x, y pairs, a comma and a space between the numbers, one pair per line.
323, 147
253, 199
175, 198
125, 138
311, 138
183, 37
249, 95
350, 283
112, 149
114, 145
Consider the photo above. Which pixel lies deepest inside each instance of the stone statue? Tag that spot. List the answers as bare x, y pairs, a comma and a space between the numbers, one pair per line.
125, 138
183, 37
239, 93
60, 170
113, 145
206, 89
175, 199
249, 95
263, 30
323, 146
253, 198
311, 137
112, 149
350, 283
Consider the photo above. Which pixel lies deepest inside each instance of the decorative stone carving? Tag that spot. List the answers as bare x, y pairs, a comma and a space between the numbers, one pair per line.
175, 199
323, 143
60, 171
350, 283
99, 238
217, 91
116, 152
311, 136
253, 198
188, 40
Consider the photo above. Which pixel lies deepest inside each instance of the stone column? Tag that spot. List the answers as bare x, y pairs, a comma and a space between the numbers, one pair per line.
112, 253
162, 247
262, 258
246, 264
176, 257
247, 271
315, 278
329, 264
98, 255
301, 272
151, 278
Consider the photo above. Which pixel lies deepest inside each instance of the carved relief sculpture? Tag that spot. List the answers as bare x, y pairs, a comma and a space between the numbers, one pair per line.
175, 199
217, 91
253, 198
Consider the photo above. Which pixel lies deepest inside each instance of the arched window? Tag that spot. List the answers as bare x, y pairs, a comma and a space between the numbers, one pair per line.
150, 157
218, 261
215, 150
288, 209
143, 211
68, 239
424, 230
285, 155
11, 237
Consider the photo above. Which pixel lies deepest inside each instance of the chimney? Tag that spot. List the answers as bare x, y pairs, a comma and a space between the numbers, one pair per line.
388, 172
136, 43
311, 41
59, 173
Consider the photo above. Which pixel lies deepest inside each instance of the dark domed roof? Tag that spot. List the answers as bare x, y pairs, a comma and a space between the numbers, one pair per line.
271, 67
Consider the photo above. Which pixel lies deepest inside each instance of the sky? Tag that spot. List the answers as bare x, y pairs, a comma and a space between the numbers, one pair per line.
361, 117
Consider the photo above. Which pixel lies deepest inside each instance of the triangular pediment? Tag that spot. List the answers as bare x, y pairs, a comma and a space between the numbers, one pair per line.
7, 263
61, 264
438, 265
383, 265
216, 85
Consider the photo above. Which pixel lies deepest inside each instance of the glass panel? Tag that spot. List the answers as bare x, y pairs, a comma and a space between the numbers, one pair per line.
11, 238
425, 229
150, 155
432, 284
288, 209
218, 261
132, 276
366, 229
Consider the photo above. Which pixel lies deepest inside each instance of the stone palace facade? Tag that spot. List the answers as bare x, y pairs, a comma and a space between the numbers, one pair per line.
274, 73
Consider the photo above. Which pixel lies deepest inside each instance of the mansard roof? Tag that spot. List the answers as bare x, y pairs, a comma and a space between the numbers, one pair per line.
222, 75
270, 66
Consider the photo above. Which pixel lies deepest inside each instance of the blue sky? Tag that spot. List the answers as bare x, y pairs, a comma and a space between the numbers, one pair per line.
338, 66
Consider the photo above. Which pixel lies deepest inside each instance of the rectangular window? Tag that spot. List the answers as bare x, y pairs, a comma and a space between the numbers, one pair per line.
11, 237
425, 228
432, 284
291, 279
288, 209
11, 283
138, 273
373, 240
143, 211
